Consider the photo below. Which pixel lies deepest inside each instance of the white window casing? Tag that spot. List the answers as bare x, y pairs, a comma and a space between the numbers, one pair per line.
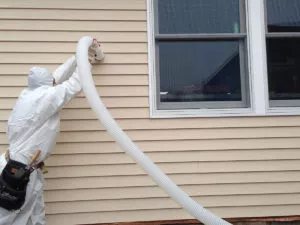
256, 66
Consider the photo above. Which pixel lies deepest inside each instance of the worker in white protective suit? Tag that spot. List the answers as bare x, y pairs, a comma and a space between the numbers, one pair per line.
34, 125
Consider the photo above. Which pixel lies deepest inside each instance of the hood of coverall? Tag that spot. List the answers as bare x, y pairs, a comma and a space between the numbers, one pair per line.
38, 77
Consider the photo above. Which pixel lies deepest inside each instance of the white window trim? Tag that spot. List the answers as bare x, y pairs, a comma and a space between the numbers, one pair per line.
257, 66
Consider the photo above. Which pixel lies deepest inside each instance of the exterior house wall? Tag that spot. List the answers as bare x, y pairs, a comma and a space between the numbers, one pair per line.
235, 166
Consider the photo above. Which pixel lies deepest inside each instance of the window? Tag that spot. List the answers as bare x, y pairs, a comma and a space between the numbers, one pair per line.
201, 51
283, 52
224, 58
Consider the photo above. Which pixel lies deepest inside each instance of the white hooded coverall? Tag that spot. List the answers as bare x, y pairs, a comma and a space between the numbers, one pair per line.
34, 125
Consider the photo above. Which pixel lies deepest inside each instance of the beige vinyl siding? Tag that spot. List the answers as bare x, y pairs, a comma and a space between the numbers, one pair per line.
236, 167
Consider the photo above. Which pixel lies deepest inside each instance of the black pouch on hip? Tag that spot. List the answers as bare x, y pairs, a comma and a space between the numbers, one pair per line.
13, 183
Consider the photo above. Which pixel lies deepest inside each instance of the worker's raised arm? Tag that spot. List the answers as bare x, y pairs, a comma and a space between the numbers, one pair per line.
65, 91
56, 97
64, 71
69, 88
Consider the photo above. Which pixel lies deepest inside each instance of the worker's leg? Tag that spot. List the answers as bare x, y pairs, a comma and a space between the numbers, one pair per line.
6, 217
38, 213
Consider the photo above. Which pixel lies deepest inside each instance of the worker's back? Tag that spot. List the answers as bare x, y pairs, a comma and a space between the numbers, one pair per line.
29, 128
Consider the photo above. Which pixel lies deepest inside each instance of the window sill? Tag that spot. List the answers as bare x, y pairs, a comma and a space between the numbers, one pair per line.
237, 112
281, 111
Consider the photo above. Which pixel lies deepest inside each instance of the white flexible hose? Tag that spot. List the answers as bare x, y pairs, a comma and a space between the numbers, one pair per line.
129, 147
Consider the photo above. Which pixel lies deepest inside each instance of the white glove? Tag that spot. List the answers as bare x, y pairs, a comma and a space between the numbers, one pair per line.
95, 52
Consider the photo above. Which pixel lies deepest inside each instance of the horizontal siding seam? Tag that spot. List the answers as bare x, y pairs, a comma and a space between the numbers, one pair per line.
170, 208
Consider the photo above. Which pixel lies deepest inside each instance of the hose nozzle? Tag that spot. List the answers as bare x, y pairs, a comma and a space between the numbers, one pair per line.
95, 52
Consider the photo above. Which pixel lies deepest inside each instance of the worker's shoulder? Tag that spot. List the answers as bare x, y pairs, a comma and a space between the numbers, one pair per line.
38, 93
45, 89
49, 92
